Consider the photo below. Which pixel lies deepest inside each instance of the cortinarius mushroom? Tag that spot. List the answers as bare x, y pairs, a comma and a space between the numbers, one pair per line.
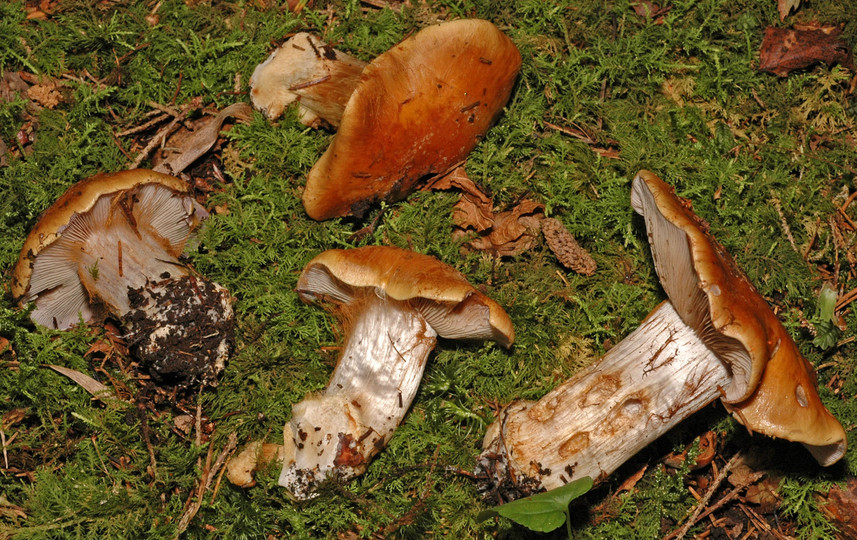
716, 337
395, 303
417, 111
307, 71
110, 245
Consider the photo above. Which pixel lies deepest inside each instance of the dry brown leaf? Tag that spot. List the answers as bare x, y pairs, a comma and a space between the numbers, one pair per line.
6, 348
10, 418
10, 510
631, 481
86, 382
513, 231
185, 147
12, 84
784, 50
785, 6
475, 210
761, 491
651, 11
840, 507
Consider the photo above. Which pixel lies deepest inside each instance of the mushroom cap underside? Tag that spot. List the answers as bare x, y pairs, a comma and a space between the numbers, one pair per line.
450, 304
78, 199
708, 289
777, 394
418, 109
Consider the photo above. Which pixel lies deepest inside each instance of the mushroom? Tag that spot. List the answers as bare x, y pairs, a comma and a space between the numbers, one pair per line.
307, 71
395, 303
111, 245
715, 337
417, 111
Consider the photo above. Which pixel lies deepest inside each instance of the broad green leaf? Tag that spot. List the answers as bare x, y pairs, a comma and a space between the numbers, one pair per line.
543, 512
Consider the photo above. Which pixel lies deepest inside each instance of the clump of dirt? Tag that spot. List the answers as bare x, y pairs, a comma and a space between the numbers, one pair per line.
181, 330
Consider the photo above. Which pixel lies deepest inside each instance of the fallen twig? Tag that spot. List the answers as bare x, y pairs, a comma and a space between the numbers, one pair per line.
680, 533
208, 474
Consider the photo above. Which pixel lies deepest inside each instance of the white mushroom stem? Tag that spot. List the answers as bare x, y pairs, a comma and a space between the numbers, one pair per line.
336, 433
590, 425
307, 71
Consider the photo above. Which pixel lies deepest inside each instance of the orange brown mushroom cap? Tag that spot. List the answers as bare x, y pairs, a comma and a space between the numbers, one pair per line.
773, 388
418, 110
443, 295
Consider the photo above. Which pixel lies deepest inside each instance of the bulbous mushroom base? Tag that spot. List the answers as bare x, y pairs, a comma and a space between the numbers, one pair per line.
181, 330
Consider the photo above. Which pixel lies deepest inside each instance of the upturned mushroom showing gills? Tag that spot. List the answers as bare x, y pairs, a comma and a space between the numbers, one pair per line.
418, 110
309, 72
394, 303
715, 338
110, 246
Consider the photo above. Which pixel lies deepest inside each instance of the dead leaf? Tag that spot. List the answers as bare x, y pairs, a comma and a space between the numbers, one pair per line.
86, 382
512, 232
785, 6
10, 418
12, 86
475, 210
6, 348
650, 10
10, 510
784, 50
185, 147
505, 234
752, 470
840, 507
631, 481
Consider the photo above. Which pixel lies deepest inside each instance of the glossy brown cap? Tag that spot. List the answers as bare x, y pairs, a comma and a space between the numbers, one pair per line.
419, 109
774, 388
440, 293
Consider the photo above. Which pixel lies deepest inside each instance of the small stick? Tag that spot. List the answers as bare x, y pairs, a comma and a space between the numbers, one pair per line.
678, 534
156, 140
209, 472
3, 441
784, 223
143, 127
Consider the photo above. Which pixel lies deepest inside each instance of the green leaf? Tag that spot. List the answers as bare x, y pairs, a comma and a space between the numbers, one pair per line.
543, 512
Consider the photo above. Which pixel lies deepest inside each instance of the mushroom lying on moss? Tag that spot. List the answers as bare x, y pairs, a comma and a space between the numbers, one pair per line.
395, 304
110, 246
309, 72
418, 110
716, 337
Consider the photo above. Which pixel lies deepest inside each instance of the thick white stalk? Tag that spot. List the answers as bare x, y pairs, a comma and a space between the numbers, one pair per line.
336, 433
590, 425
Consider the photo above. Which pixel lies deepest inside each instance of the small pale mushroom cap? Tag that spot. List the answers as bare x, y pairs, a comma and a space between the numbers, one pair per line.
307, 71
80, 198
442, 295
419, 109
774, 389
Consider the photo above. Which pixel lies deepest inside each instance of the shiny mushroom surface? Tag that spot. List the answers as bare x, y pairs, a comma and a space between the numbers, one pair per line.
715, 337
395, 304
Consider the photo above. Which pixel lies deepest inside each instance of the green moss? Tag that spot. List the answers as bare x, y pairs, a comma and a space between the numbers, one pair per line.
756, 155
